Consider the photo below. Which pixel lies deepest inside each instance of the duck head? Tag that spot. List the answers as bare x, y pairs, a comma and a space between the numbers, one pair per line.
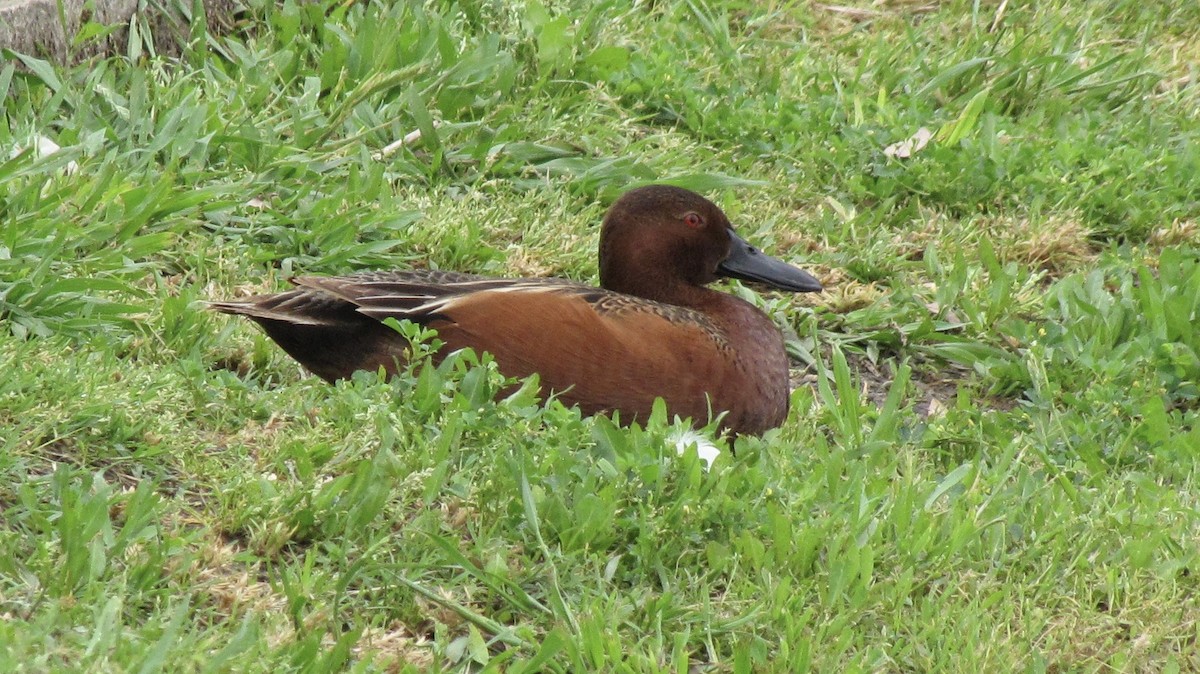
657, 240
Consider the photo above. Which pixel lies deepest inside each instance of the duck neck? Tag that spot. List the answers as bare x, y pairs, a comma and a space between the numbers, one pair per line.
733, 313
683, 295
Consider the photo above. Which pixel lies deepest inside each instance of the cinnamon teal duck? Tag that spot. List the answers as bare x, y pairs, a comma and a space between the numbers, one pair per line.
652, 329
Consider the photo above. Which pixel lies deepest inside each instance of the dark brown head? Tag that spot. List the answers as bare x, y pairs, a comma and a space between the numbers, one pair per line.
657, 240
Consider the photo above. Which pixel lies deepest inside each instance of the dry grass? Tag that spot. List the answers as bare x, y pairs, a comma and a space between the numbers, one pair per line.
1178, 233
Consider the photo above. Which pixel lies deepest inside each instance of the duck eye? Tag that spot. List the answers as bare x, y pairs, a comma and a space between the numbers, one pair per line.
693, 220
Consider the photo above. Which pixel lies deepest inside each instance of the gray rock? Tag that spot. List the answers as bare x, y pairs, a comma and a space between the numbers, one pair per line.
36, 28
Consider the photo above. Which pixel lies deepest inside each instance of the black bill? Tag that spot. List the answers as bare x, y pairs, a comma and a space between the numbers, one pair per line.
747, 263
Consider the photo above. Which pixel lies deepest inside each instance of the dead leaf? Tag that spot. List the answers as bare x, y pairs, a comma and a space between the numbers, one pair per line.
912, 145
936, 409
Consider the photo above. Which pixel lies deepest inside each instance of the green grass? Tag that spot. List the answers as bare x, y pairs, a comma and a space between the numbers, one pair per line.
991, 461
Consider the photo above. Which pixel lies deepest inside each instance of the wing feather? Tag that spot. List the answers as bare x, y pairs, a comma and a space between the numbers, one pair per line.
598, 349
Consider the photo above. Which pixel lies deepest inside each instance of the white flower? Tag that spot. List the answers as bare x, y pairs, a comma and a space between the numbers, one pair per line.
705, 448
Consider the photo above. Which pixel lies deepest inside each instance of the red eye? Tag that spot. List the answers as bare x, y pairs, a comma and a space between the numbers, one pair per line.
693, 220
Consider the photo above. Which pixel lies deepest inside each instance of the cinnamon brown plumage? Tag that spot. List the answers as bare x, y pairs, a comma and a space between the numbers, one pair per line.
652, 330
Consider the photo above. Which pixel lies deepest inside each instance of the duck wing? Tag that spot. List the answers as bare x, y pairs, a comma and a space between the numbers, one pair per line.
601, 350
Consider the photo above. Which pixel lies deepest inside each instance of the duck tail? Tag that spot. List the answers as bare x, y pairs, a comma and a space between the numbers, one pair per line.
326, 334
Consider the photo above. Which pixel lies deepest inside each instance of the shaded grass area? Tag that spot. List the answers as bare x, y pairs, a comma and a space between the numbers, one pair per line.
990, 461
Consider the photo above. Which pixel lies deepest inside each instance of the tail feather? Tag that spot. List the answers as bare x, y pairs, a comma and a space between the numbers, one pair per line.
325, 333
332, 324
267, 308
